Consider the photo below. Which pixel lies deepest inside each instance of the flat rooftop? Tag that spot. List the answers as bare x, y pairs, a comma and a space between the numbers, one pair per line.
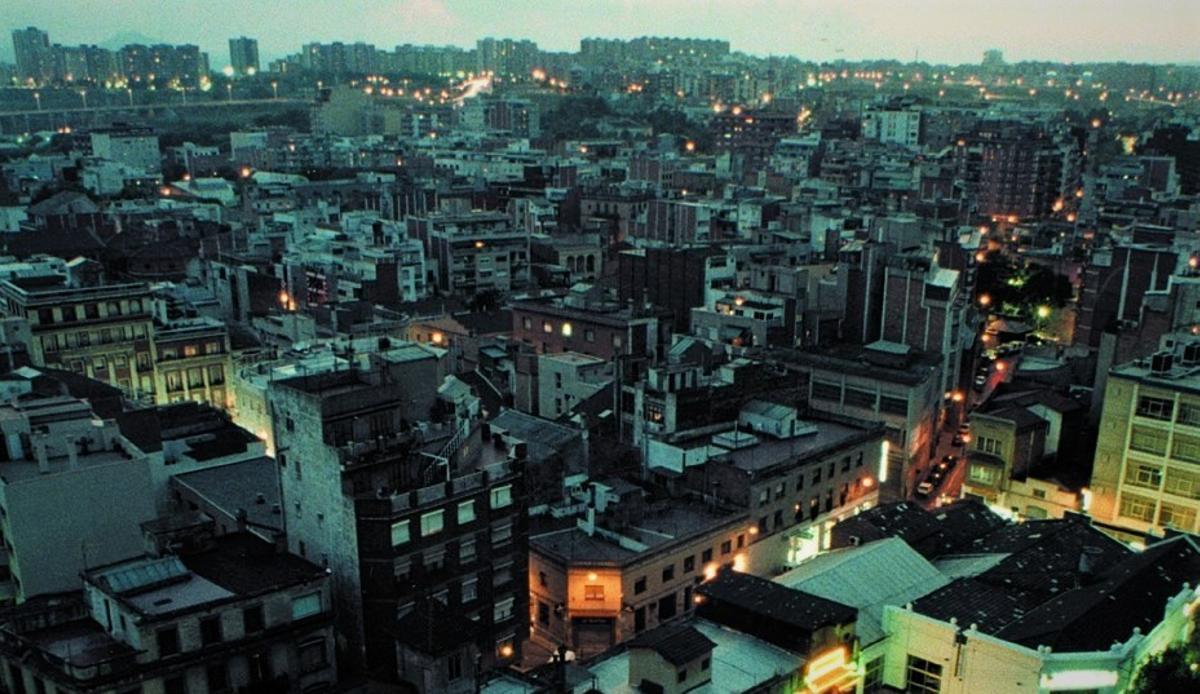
656, 528
15, 471
239, 486
81, 642
769, 452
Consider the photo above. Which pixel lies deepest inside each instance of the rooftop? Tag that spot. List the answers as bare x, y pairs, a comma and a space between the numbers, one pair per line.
908, 367
678, 644
740, 663
1043, 560
769, 452
765, 598
657, 527
252, 485
238, 565
868, 578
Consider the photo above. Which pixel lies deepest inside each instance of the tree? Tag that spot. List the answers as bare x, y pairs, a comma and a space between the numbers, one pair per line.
1174, 671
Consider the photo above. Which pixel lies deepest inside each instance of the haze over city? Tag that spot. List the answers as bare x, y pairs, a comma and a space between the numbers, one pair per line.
940, 31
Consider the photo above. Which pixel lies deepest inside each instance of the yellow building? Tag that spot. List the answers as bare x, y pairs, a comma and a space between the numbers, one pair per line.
193, 362
1146, 475
101, 332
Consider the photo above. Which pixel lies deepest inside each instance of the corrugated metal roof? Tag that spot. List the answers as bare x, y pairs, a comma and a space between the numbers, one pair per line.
887, 572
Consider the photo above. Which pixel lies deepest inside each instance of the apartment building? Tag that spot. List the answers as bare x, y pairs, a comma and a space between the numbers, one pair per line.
1144, 477
228, 613
103, 332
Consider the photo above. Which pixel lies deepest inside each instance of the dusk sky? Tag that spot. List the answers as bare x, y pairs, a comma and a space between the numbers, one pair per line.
942, 30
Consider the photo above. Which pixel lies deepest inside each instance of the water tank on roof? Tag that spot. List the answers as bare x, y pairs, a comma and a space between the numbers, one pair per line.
1191, 353
1161, 362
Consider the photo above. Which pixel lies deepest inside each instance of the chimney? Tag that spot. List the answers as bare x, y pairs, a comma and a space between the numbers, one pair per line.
1089, 560
39, 453
589, 523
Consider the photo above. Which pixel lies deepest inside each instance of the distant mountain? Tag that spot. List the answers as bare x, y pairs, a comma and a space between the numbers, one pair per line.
117, 41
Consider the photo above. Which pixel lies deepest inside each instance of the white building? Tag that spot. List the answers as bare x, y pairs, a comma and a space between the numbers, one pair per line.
135, 147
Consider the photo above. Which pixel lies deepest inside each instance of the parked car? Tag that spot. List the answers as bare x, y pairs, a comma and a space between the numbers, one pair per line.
924, 489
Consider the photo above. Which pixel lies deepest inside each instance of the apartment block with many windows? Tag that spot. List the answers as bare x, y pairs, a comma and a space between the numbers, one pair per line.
1146, 475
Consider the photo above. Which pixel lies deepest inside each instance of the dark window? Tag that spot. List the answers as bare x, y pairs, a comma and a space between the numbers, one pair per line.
727, 547
687, 598
860, 398
454, 669
778, 519
175, 685
689, 563
543, 613
168, 641
741, 540
1155, 408
210, 631
252, 619
923, 676
681, 676
218, 679
668, 573
706, 663
542, 577
667, 607
312, 656
639, 586
706, 556
18, 679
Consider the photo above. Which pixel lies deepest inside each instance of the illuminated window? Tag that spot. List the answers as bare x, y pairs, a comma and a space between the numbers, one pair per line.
400, 533
593, 592
547, 326
432, 523
466, 512
566, 329
502, 496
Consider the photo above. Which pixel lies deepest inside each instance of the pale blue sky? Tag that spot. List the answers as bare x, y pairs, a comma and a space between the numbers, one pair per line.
942, 30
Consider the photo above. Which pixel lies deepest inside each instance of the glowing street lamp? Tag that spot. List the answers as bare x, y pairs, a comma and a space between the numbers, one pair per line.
1043, 312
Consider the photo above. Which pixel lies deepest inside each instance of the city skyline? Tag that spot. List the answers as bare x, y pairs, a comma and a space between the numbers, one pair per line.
1105, 31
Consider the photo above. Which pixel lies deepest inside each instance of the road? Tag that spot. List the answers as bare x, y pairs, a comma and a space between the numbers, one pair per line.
951, 487
199, 103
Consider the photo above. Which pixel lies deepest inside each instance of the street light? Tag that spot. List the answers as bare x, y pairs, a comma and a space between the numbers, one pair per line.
38, 98
275, 89
1043, 312
83, 95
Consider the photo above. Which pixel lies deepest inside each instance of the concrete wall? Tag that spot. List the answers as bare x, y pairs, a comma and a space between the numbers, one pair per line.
61, 522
